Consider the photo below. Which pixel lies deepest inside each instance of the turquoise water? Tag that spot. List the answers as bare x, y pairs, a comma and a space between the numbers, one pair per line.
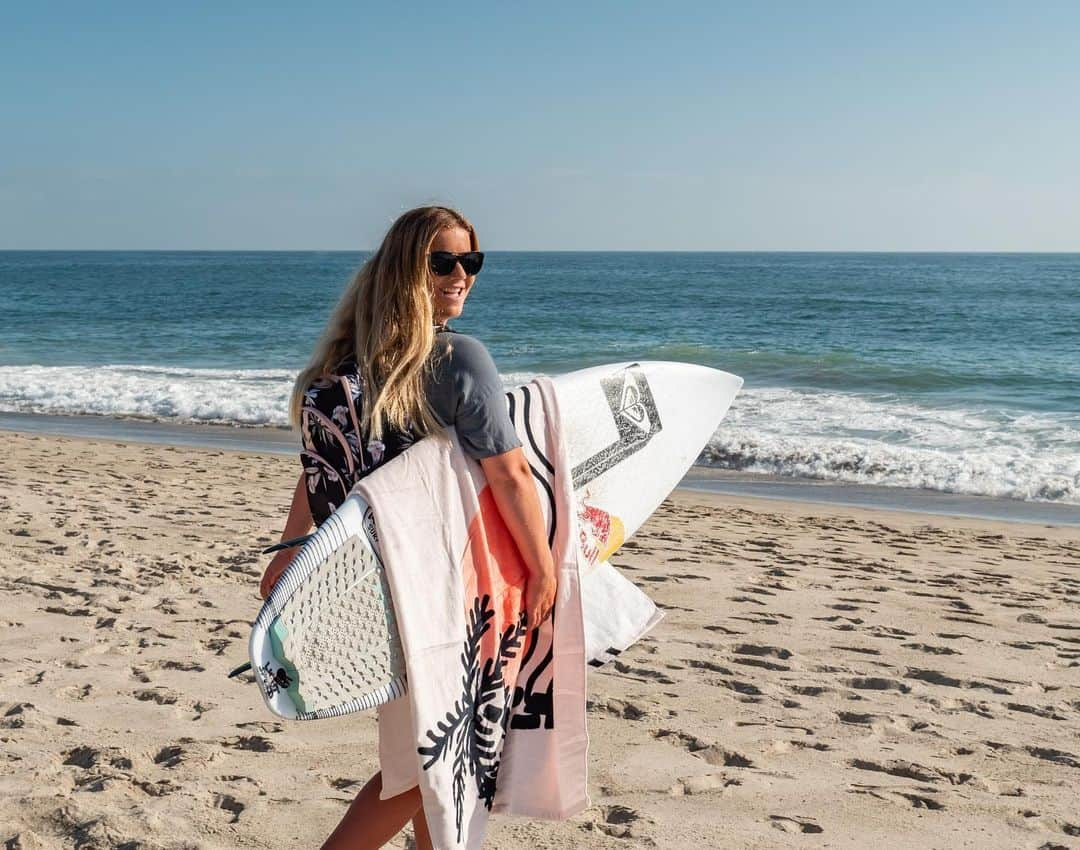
954, 372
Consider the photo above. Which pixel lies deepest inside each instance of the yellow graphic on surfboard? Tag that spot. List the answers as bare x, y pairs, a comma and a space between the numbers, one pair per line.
601, 533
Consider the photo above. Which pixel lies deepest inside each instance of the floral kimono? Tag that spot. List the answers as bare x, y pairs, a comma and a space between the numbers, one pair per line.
335, 454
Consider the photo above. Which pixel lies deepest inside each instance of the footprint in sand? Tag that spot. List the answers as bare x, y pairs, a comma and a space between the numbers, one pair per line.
704, 784
859, 719
874, 683
76, 693
616, 821
268, 726
912, 799
787, 823
161, 696
911, 770
810, 690
929, 648
252, 743
169, 756
713, 754
617, 708
100, 768
1052, 755
755, 655
15, 716
228, 803
88, 757
862, 650
642, 673
711, 666
935, 677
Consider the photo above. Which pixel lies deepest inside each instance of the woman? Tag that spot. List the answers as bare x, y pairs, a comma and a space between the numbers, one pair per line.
386, 372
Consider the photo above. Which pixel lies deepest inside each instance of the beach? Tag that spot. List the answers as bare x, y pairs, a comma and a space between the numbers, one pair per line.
825, 675
811, 275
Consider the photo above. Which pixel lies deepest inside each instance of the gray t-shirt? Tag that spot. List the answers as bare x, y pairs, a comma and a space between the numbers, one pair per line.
465, 391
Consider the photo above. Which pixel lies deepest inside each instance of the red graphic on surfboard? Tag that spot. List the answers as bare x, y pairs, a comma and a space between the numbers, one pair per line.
600, 533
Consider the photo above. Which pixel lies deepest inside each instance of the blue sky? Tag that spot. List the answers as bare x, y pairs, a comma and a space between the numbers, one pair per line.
697, 126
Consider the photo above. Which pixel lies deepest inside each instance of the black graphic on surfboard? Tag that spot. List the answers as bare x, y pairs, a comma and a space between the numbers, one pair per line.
273, 681
634, 411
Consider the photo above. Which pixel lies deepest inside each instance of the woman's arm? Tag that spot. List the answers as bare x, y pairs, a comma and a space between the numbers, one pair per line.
511, 483
298, 524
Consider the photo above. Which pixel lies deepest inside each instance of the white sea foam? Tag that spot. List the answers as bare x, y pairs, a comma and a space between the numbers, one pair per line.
882, 440
824, 435
246, 397
220, 396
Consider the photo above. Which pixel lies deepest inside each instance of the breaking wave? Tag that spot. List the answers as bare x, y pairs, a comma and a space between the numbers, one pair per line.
861, 438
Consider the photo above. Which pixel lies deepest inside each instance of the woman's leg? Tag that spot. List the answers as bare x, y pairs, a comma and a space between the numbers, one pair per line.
370, 822
420, 830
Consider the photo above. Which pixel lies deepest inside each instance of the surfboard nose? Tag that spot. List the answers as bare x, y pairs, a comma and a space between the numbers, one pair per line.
632, 430
692, 400
700, 392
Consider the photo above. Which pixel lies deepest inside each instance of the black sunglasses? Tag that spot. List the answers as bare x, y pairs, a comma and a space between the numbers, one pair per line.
443, 262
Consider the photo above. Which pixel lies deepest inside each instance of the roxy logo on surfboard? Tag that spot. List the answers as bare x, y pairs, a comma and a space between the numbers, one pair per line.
634, 411
632, 408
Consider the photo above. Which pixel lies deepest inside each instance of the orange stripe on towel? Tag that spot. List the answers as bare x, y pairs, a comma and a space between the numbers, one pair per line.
492, 565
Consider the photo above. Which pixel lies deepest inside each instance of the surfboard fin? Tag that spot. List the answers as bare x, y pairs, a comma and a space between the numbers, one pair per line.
241, 669
287, 544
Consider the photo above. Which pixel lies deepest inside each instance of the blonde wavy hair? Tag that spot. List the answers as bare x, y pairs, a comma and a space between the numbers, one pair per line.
385, 319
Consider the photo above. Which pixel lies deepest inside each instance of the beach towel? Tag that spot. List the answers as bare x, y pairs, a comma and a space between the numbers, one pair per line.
497, 712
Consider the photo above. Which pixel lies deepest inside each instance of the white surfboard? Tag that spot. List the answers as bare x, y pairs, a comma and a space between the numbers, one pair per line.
325, 642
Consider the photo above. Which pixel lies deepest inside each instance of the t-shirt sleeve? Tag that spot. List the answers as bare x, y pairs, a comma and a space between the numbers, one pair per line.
469, 395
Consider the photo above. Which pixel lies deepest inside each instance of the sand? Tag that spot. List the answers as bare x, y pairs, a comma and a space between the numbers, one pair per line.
824, 677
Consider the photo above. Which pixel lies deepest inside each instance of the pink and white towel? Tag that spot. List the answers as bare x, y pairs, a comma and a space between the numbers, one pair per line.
497, 712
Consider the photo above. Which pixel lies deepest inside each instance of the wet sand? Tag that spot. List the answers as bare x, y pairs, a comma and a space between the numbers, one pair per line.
826, 676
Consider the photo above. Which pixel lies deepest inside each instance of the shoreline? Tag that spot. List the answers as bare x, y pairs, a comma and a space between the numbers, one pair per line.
282, 441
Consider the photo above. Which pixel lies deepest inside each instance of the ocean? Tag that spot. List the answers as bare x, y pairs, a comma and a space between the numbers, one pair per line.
955, 373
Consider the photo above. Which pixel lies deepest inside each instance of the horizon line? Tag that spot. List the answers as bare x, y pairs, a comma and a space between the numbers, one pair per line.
540, 251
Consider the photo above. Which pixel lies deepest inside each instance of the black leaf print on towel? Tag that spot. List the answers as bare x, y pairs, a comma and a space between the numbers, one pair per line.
473, 731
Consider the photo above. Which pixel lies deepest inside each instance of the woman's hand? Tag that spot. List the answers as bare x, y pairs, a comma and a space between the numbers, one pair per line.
298, 524
273, 572
539, 599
